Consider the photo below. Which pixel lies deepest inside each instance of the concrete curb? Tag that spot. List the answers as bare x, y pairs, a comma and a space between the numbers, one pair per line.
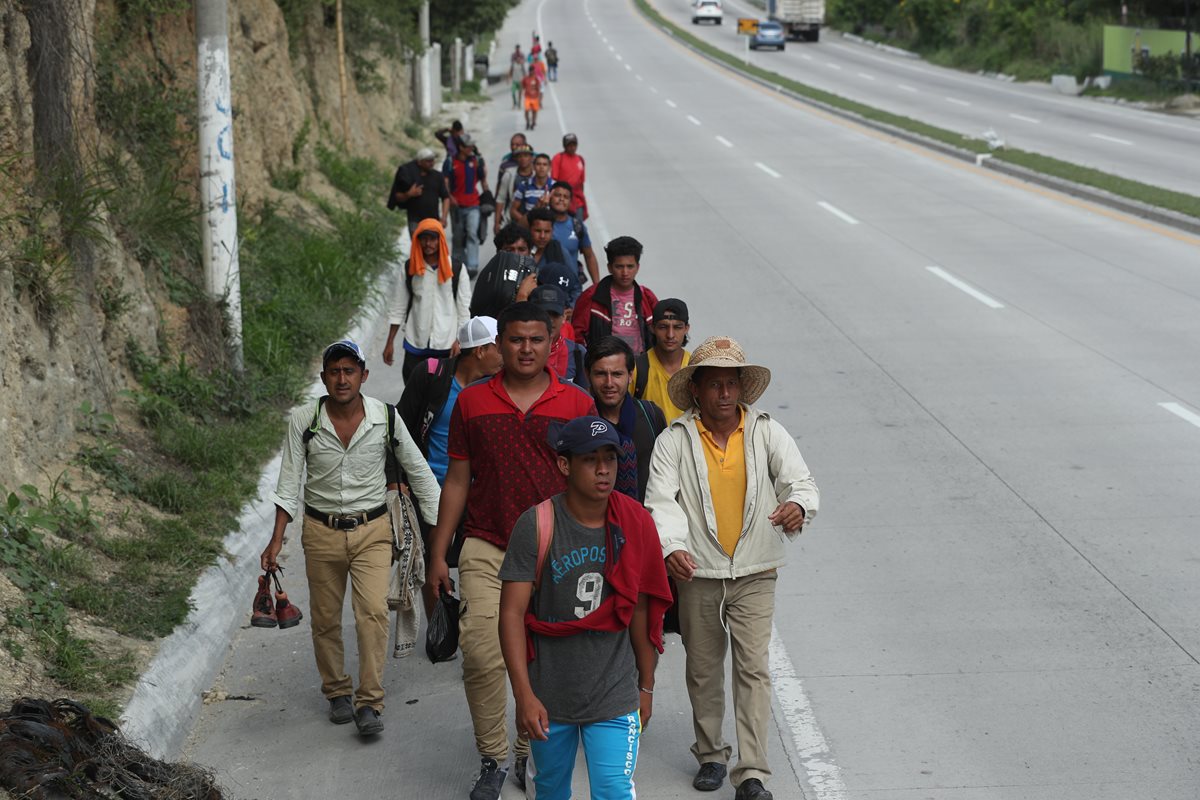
167, 698
1136, 208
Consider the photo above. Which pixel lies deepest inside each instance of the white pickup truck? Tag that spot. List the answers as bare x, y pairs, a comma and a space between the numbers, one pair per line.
801, 19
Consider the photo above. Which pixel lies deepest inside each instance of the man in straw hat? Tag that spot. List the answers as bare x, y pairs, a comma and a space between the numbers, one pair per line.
725, 481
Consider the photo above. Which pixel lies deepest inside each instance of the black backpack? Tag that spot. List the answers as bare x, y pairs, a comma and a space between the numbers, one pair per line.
641, 364
496, 284
390, 468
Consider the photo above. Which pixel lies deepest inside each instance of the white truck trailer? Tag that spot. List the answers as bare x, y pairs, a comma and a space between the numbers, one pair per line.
801, 19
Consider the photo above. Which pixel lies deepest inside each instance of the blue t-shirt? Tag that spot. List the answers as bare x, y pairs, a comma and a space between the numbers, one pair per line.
439, 435
564, 232
528, 193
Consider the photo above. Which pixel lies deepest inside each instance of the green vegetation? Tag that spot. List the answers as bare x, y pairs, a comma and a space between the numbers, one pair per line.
472, 91
1153, 195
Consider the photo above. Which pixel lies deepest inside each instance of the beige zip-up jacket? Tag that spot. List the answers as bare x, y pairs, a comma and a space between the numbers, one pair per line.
679, 499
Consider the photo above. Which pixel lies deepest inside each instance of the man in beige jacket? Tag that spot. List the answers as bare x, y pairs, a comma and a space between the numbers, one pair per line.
727, 485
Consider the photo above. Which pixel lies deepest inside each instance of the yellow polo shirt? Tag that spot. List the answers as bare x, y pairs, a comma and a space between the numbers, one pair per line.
727, 481
656, 385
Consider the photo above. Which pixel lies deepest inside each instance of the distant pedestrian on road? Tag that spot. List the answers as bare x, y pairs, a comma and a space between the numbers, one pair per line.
341, 441
581, 619
449, 137
430, 304
420, 190
532, 87
727, 485
465, 174
572, 233
552, 61
653, 369
570, 167
532, 191
518, 68
500, 465
617, 305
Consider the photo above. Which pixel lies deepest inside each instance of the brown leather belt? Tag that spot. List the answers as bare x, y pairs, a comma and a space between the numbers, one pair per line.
346, 522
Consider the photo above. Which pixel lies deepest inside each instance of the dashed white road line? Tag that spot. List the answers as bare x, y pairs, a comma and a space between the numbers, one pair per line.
1024, 118
628, 68
724, 141
619, 57
671, 103
837, 212
1181, 412
832, 65
767, 169
866, 76
908, 88
806, 56
971, 290
956, 101
1112, 139
612, 49
654, 90
693, 120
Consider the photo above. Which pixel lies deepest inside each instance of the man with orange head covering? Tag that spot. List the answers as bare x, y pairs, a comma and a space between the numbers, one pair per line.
431, 303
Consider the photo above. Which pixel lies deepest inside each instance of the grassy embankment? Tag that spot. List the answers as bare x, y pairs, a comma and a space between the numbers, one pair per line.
1134, 190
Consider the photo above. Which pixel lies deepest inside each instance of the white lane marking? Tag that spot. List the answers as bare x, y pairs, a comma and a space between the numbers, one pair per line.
971, 290
832, 65
1024, 118
724, 141
866, 76
1182, 413
671, 103
908, 88
639, 77
693, 120
619, 57
956, 101
767, 169
654, 90
824, 775
837, 212
612, 49
1112, 139
628, 68
806, 56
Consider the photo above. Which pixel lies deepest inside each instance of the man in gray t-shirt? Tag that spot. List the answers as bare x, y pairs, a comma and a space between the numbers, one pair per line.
581, 668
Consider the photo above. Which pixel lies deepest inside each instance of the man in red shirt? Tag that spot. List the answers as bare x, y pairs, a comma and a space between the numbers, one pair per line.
465, 172
570, 167
500, 465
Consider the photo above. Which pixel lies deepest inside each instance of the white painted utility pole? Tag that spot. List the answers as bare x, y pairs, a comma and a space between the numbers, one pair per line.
218, 197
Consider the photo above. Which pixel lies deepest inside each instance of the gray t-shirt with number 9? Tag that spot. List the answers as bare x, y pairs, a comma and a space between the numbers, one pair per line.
590, 676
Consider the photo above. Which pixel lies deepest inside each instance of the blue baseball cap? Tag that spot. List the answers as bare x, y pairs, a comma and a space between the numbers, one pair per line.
342, 349
582, 435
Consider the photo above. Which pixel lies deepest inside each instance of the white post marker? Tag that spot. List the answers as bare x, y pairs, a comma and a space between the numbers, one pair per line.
218, 195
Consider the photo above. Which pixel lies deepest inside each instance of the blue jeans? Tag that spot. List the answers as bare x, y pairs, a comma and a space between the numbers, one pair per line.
609, 747
552, 71
464, 224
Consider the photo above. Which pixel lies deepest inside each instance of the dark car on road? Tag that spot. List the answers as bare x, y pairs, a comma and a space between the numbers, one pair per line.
770, 34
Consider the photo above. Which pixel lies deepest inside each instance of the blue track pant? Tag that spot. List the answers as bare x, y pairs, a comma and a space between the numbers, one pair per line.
610, 748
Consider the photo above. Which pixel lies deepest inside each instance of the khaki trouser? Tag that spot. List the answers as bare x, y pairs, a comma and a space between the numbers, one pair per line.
365, 556
745, 606
484, 676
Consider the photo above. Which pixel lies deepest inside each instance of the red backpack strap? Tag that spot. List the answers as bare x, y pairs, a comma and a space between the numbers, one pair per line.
545, 533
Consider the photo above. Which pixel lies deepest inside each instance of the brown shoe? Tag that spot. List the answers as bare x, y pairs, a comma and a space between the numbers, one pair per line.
263, 610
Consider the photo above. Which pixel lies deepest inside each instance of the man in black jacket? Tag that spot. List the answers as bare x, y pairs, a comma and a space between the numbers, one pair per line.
420, 191
431, 391
609, 365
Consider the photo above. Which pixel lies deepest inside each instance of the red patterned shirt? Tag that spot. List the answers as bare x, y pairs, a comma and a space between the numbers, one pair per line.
512, 465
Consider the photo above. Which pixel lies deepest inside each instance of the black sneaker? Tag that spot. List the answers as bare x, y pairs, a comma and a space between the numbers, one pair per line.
752, 789
368, 722
491, 779
341, 710
520, 765
709, 777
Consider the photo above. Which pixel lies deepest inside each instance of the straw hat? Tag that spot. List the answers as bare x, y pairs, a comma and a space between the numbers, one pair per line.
719, 351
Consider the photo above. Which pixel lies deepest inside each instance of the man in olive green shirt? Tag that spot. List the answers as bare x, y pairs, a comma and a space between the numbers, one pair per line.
342, 440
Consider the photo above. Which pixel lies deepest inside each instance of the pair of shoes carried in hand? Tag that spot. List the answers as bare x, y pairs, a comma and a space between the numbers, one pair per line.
268, 612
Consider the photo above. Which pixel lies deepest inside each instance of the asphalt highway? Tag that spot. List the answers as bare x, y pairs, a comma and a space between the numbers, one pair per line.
1146, 146
996, 389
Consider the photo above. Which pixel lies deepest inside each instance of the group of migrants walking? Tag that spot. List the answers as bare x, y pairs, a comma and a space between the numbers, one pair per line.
590, 478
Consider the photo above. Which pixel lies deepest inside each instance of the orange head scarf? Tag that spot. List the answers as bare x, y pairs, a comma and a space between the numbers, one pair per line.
416, 258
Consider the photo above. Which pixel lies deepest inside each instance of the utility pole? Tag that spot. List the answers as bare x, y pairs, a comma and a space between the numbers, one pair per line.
341, 53
218, 196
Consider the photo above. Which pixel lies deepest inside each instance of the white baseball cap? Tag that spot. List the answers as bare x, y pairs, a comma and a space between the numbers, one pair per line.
476, 332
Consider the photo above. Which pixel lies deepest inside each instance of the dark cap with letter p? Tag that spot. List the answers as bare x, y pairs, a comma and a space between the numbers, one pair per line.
582, 435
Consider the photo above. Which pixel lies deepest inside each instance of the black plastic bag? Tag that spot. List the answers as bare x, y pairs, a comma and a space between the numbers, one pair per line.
441, 639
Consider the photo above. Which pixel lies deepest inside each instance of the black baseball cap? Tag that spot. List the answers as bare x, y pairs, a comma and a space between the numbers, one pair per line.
549, 297
582, 435
671, 308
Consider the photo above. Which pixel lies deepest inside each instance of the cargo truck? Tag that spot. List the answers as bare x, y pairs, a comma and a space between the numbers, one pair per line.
801, 19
